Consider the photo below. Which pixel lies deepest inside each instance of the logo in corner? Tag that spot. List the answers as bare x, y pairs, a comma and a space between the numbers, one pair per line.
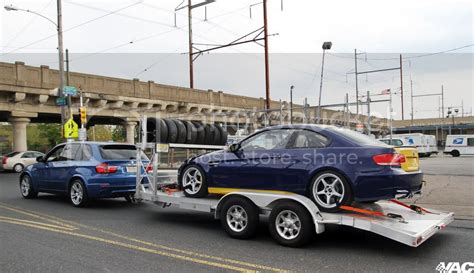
455, 267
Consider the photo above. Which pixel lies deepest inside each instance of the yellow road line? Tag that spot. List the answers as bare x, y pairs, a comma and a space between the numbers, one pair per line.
220, 259
36, 223
130, 246
36, 215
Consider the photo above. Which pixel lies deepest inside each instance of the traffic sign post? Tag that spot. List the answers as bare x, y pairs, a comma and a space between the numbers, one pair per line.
61, 101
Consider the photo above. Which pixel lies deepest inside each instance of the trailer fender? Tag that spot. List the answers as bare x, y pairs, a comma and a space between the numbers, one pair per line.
266, 201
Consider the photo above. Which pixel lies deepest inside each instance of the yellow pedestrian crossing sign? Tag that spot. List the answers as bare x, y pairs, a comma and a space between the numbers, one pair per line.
71, 130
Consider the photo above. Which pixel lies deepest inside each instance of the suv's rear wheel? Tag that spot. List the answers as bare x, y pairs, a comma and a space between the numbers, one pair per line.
78, 193
329, 190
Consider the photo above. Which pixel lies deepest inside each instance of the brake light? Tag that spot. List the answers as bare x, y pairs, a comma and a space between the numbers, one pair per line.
105, 168
389, 159
4, 160
149, 168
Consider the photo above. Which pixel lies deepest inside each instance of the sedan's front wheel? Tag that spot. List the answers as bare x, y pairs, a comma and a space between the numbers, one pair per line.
78, 194
193, 181
26, 188
330, 190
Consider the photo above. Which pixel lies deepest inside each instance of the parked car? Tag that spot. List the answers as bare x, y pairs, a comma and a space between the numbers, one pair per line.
83, 171
330, 165
17, 161
426, 144
457, 145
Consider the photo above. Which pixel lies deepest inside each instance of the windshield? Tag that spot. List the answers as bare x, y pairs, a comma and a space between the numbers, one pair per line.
356, 137
119, 152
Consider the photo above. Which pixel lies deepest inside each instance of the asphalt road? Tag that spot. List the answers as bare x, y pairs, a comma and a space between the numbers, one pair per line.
47, 234
448, 165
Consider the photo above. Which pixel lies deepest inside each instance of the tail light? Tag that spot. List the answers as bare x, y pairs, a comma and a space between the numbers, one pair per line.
149, 168
4, 160
105, 168
389, 159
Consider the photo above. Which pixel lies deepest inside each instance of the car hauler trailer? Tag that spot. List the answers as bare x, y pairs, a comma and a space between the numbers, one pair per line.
293, 218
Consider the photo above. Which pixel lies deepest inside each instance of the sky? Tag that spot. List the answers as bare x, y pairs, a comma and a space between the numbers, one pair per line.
139, 39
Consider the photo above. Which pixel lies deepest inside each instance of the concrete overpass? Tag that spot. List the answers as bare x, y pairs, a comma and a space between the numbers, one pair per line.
28, 94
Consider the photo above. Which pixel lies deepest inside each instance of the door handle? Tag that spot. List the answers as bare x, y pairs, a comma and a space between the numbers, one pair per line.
213, 164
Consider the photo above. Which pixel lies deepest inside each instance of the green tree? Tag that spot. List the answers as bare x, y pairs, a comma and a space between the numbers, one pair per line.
50, 133
118, 133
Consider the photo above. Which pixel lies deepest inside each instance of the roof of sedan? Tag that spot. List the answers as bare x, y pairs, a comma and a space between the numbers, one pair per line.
302, 126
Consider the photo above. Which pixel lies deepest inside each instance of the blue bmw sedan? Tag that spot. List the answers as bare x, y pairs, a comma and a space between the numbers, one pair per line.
332, 166
83, 171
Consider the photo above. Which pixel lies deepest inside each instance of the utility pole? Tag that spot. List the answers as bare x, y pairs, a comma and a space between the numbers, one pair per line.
267, 72
368, 114
356, 82
69, 99
190, 38
61, 58
401, 86
411, 96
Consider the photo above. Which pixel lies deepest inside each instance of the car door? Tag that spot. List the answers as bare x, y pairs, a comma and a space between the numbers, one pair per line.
307, 151
262, 160
59, 170
42, 171
28, 158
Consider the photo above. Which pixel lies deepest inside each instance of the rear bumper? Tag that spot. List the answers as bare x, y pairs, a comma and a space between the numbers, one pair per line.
388, 184
110, 186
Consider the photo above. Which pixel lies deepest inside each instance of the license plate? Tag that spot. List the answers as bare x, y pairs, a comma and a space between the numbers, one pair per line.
131, 169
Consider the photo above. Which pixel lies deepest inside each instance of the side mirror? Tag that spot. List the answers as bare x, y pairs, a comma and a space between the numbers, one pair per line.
234, 147
39, 159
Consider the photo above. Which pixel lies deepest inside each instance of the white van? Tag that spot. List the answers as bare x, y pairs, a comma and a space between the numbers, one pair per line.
425, 144
457, 145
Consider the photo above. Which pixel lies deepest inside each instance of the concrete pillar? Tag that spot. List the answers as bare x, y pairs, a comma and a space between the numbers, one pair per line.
130, 131
19, 133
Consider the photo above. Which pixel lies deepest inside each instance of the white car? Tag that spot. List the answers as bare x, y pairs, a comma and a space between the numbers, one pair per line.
17, 161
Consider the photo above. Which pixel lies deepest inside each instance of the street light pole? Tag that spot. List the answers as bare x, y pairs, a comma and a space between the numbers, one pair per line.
291, 104
59, 28
326, 46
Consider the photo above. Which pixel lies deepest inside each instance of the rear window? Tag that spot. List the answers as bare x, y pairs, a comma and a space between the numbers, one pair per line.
119, 152
356, 137
12, 154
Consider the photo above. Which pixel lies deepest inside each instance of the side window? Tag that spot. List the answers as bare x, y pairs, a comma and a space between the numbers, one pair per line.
470, 141
309, 139
268, 140
86, 152
55, 155
70, 151
27, 155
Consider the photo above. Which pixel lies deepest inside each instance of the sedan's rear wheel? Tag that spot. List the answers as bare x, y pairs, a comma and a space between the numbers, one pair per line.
18, 168
330, 190
193, 181
26, 187
78, 194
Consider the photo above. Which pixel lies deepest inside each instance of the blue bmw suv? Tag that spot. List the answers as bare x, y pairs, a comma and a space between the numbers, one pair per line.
83, 171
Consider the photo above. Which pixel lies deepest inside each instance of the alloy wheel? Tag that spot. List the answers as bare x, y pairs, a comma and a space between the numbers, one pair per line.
192, 180
288, 224
237, 218
328, 190
77, 193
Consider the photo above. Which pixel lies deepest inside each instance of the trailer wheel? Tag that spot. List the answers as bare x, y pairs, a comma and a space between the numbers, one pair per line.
239, 217
455, 153
291, 225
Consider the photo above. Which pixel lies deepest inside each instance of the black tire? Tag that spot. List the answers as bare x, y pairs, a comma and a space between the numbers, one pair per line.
292, 237
243, 226
172, 131
223, 132
201, 133
156, 130
81, 199
209, 134
181, 131
428, 154
191, 132
455, 153
18, 168
337, 184
216, 135
186, 184
26, 187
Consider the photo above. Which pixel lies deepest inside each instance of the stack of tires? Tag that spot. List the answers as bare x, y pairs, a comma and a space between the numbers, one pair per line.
184, 131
